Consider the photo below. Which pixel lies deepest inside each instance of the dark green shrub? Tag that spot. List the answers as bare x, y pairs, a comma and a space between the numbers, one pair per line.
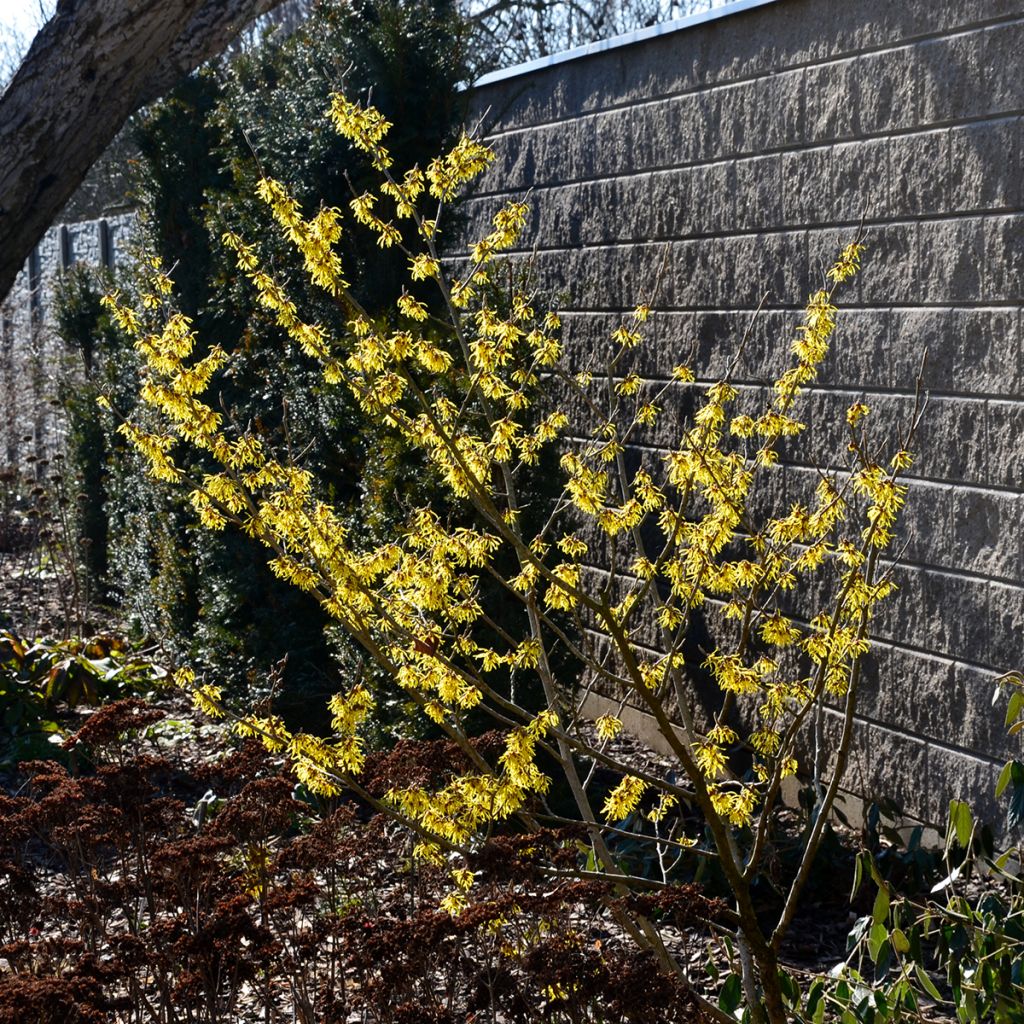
201, 152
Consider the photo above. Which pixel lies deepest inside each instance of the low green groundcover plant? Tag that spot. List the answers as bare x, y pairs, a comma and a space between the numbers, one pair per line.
40, 679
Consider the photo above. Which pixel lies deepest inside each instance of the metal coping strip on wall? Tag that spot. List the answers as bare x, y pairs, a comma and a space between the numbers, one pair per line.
626, 39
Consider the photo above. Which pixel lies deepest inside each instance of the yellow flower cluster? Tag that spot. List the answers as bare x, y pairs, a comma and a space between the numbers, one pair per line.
468, 382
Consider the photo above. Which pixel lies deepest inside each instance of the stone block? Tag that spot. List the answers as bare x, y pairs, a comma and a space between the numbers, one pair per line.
718, 336
476, 221
951, 441
1005, 647
758, 115
84, 243
682, 288
807, 187
924, 530
772, 267
618, 148
824, 441
683, 129
891, 272
898, 763
906, 690
123, 234
586, 339
952, 260
956, 775
987, 160
987, 358
938, 612
1005, 440
861, 354
672, 341
758, 193
789, 116
619, 210
887, 91
561, 217
712, 197
1002, 46
832, 94
917, 333
889, 422
671, 210
620, 276
919, 168
951, 74
986, 530
861, 180
1004, 258
548, 155
970, 717
765, 337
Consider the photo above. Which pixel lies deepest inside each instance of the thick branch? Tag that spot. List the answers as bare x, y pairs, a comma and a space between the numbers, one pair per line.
88, 70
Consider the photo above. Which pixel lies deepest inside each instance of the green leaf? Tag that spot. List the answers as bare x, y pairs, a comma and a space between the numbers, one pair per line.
731, 994
875, 873
1004, 778
1014, 707
961, 822
790, 989
880, 911
711, 967
876, 939
926, 983
900, 942
858, 873
814, 996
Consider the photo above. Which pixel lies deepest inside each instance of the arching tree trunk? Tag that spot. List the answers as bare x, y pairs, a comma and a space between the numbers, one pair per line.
90, 67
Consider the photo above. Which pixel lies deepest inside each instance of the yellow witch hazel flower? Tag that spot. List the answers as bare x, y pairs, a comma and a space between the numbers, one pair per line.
608, 727
624, 799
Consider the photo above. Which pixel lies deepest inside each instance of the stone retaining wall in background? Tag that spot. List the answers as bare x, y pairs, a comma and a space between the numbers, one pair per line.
30, 353
739, 153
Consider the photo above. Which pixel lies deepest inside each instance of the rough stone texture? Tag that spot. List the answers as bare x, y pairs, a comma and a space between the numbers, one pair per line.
744, 152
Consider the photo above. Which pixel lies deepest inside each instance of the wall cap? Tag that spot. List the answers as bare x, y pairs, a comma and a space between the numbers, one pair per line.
626, 39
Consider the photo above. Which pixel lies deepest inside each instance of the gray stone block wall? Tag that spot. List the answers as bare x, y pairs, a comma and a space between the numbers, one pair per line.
744, 151
32, 358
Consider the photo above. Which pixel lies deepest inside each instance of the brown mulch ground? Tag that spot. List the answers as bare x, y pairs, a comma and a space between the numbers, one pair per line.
35, 601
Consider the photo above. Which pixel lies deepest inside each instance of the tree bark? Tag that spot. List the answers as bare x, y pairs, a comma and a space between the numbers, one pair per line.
88, 70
